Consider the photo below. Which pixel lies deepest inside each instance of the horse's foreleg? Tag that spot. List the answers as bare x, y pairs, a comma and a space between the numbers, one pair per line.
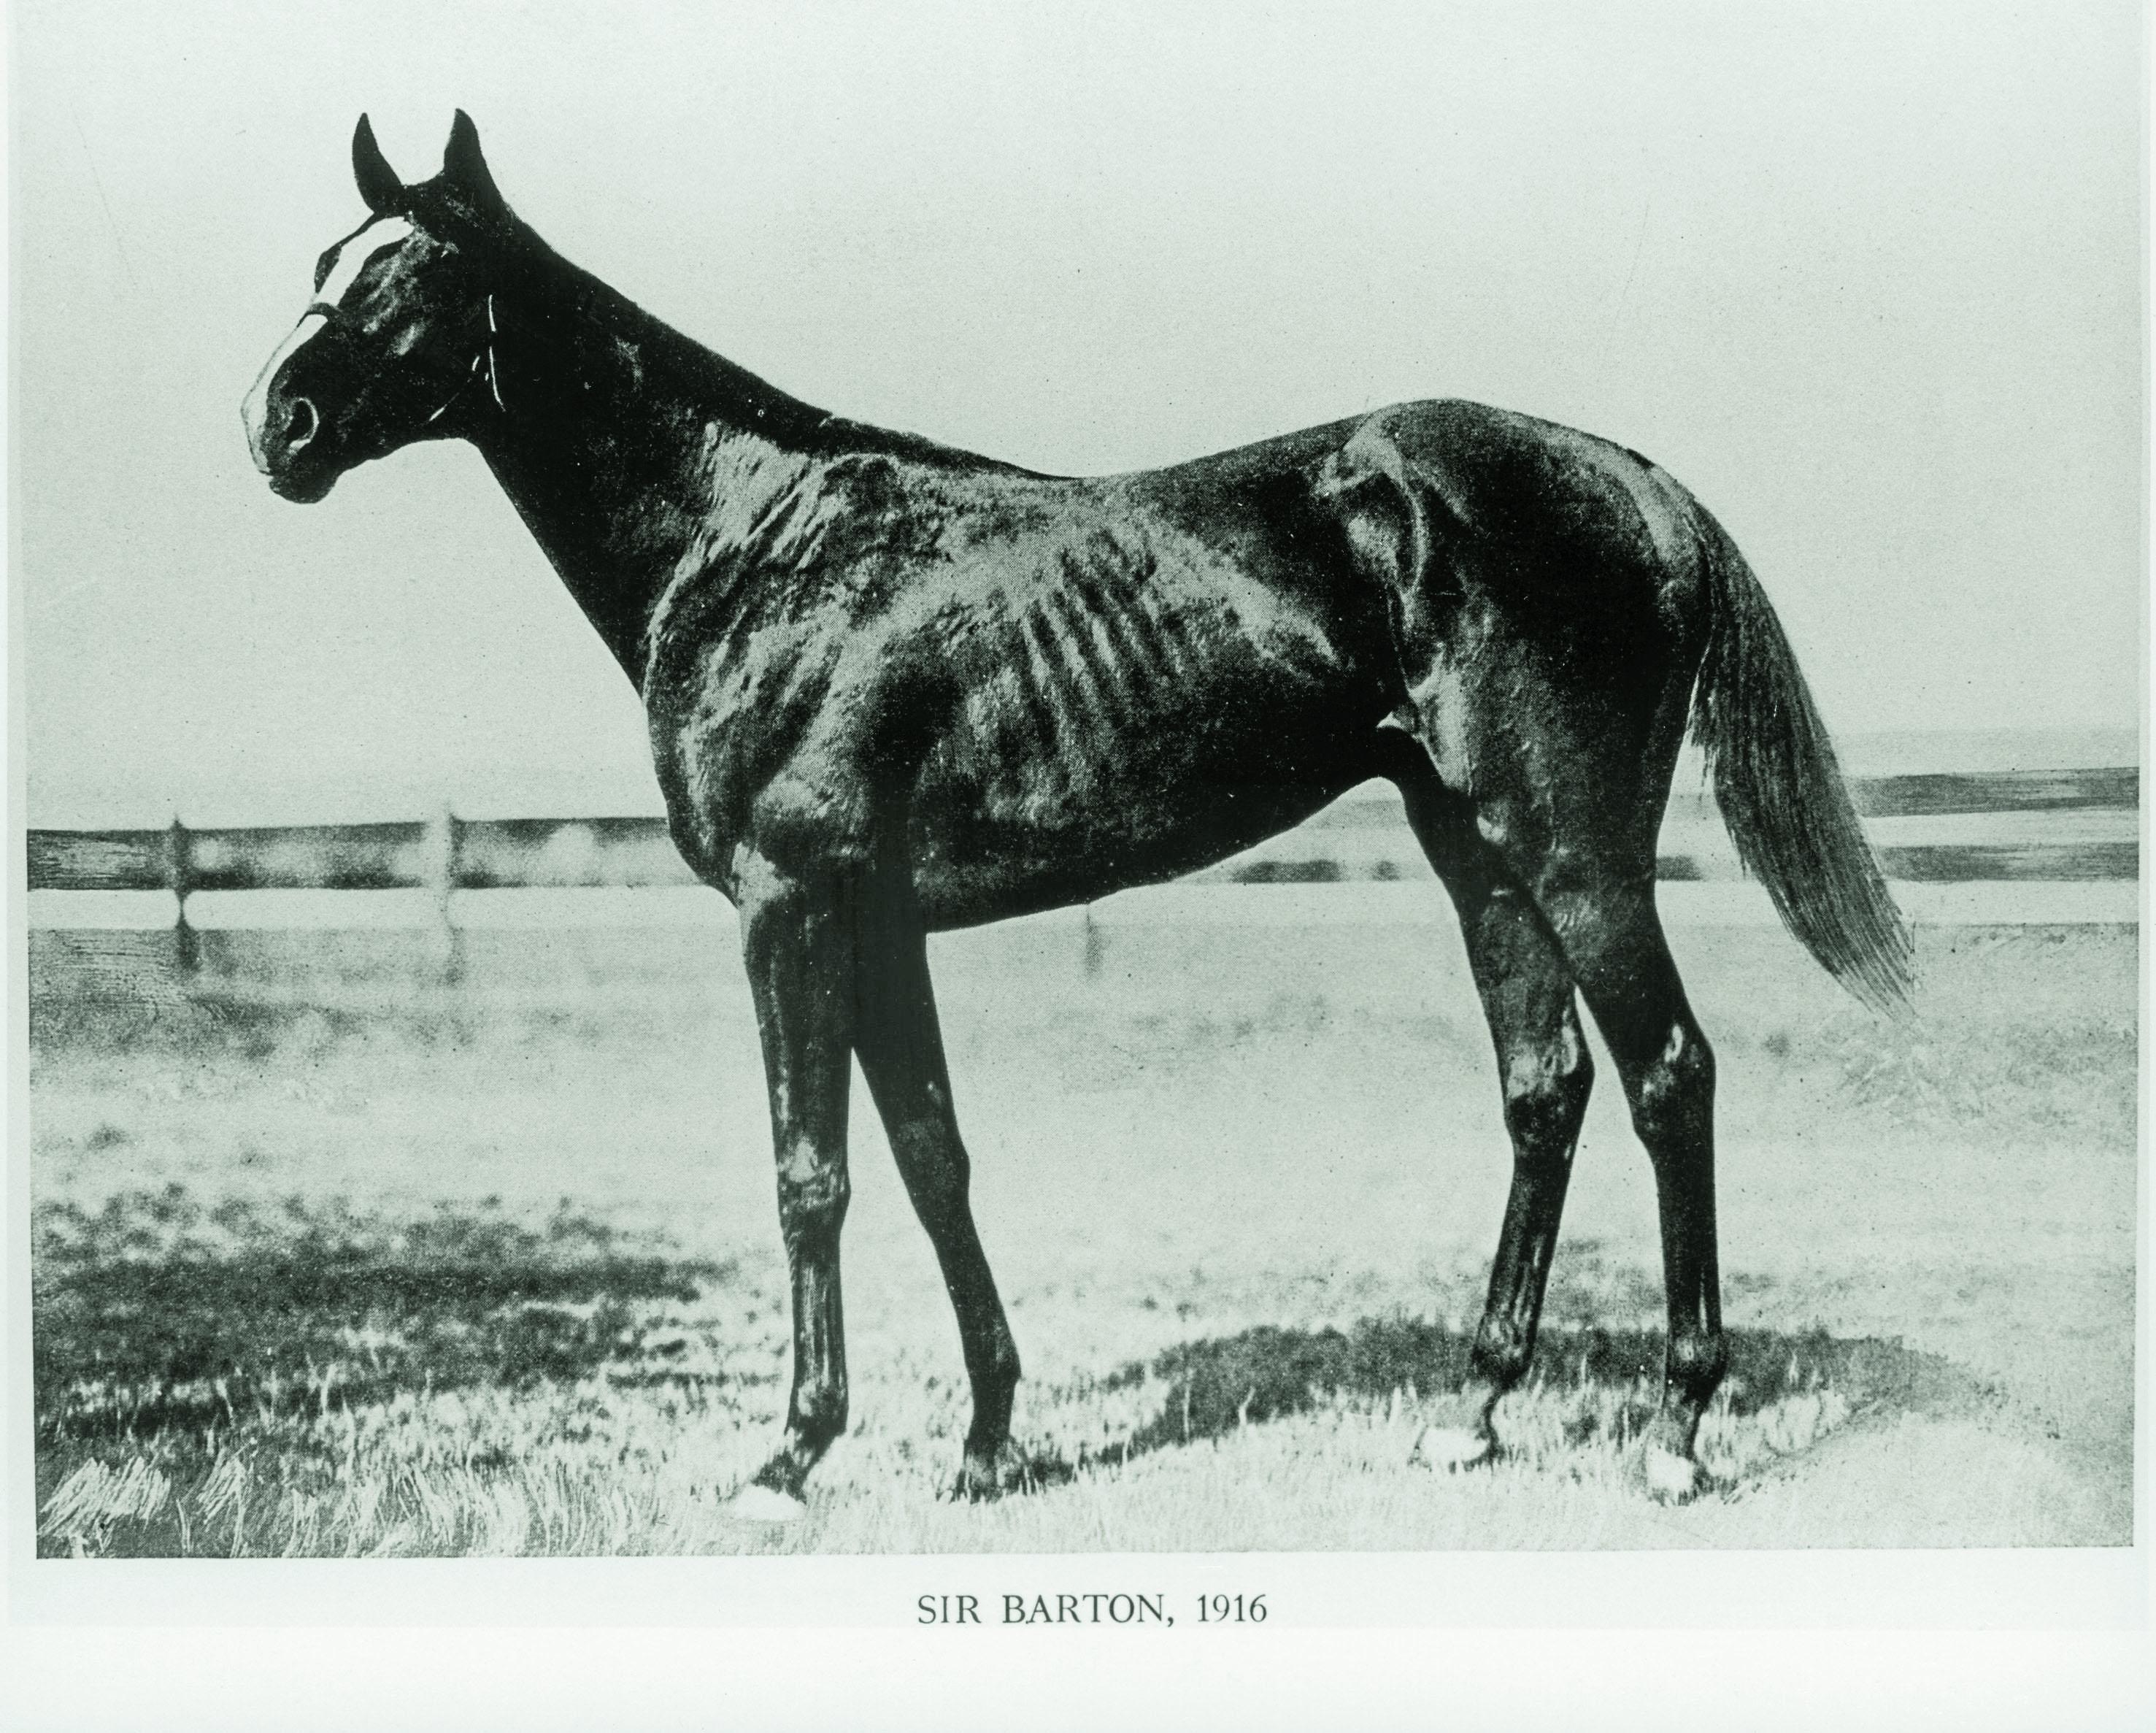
799, 941
1543, 1064
901, 1047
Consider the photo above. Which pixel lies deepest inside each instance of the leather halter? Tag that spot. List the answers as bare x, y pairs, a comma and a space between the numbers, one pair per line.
482, 357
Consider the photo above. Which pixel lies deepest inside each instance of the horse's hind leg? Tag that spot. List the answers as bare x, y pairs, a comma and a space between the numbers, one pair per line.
1527, 990
1630, 982
1579, 837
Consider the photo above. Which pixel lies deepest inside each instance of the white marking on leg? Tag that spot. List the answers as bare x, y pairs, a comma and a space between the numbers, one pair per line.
1671, 1477
761, 1504
1452, 1448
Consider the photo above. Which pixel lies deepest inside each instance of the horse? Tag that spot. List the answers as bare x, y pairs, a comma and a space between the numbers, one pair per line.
894, 688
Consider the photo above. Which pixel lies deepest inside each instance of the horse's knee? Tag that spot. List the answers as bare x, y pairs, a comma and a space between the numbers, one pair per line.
1546, 1090
813, 1191
1672, 1095
1504, 1348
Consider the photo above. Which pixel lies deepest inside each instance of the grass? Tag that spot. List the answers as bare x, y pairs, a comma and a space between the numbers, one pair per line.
332, 1259
226, 1383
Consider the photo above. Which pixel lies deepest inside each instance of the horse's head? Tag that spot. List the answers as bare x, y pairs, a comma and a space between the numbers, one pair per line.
396, 342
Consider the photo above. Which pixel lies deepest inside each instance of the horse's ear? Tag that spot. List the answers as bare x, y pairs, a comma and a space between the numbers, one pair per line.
464, 166
378, 184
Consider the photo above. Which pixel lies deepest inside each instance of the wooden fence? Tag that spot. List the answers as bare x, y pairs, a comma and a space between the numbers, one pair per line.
2055, 825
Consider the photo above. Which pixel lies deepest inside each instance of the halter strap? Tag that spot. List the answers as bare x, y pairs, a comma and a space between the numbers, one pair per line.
482, 357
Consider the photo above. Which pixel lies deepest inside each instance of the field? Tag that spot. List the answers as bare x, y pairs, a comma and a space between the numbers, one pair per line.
334, 1256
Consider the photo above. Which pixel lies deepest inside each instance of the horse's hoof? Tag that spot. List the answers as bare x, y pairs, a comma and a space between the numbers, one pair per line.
1673, 1478
981, 1479
1452, 1448
764, 1504
1009, 1470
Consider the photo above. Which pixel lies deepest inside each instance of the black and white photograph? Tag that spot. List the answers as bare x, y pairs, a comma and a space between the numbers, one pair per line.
1089, 783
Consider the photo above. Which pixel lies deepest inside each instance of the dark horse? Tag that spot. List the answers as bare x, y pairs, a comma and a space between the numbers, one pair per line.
895, 688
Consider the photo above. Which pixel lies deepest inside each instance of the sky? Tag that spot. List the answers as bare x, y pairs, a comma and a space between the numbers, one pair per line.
1866, 278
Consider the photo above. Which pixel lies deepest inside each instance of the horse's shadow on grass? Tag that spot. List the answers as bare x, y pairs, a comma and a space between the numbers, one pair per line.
1608, 1380
155, 1313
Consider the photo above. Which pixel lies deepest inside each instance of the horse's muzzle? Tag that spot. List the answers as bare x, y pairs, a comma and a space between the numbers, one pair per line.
283, 427
281, 432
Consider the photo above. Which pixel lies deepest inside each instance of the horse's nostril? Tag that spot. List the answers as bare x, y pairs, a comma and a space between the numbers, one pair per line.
300, 423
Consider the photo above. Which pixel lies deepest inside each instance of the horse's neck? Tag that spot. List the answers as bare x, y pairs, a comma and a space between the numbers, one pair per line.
603, 440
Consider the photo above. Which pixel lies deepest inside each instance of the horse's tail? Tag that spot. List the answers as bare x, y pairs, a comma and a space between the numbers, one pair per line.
1781, 791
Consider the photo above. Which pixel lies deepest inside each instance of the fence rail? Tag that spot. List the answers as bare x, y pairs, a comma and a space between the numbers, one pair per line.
447, 853
2065, 826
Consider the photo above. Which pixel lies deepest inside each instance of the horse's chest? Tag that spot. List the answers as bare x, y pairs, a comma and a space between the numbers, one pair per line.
724, 725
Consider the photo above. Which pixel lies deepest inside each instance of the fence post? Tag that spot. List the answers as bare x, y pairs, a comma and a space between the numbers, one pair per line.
439, 868
179, 879
1096, 945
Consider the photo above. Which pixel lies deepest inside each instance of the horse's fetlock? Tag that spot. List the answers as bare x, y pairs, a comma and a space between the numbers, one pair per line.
1503, 1350
1695, 1365
819, 1408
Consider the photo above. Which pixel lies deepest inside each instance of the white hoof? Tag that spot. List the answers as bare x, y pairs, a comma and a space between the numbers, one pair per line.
763, 1503
1670, 1477
1452, 1447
